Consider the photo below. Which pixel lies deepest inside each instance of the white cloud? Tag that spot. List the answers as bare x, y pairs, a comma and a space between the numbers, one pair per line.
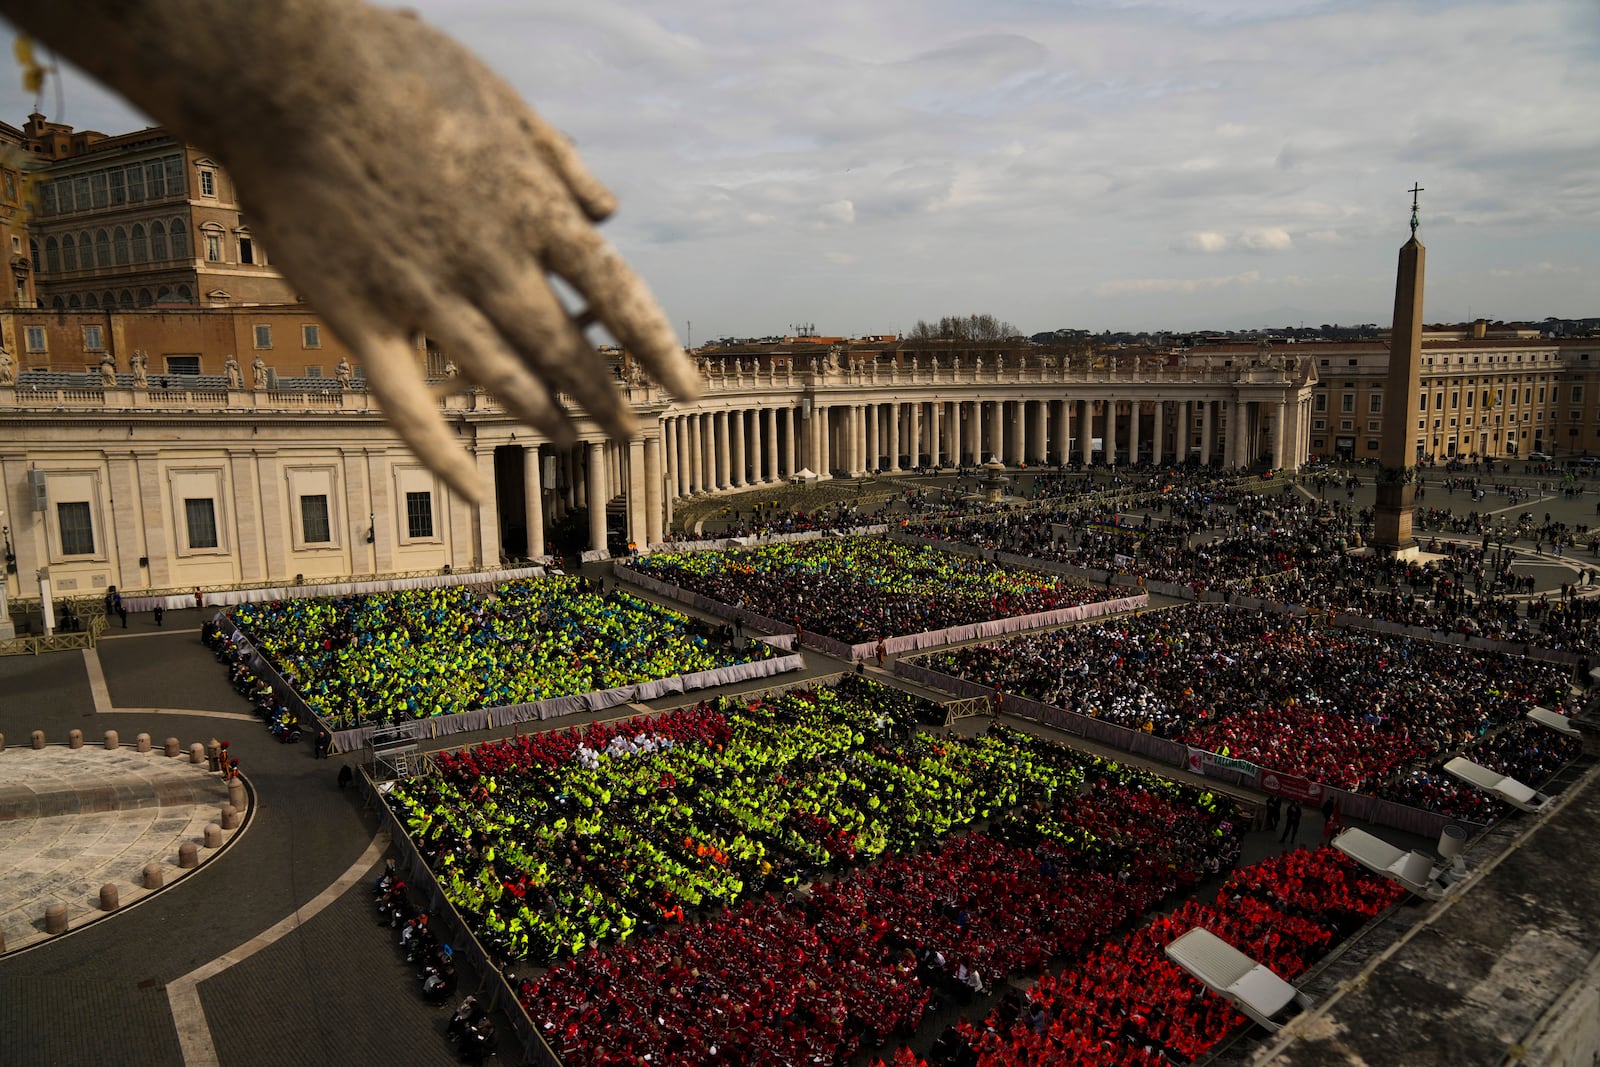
1148, 286
840, 212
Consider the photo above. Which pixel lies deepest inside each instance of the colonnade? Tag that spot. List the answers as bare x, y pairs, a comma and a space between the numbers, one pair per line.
686, 453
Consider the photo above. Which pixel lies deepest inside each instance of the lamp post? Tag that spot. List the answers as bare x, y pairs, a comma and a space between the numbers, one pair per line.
8, 630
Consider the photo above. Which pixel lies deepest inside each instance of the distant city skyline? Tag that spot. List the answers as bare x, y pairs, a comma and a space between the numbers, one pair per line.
1166, 165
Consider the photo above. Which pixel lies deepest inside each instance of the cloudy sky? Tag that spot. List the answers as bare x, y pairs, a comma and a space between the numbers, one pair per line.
1099, 164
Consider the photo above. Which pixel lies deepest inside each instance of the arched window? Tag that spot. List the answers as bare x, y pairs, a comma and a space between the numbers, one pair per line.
141, 244
73, 301
162, 293
125, 299
33, 253
102, 248
69, 252
180, 239
119, 246
85, 250
90, 300
184, 295
56, 303
52, 255
145, 299
109, 299
158, 242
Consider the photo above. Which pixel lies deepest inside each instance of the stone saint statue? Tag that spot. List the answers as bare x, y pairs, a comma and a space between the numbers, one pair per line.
231, 369
371, 101
343, 373
140, 366
258, 373
108, 371
8, 368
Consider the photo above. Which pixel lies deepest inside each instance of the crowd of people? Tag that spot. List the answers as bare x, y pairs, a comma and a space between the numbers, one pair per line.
1125, 1004
857, 589
1349, 708
394, 657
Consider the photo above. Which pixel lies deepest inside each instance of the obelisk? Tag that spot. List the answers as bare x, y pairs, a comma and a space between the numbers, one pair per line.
1397, 453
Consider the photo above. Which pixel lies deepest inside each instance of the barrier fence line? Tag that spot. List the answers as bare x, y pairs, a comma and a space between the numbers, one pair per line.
501, 995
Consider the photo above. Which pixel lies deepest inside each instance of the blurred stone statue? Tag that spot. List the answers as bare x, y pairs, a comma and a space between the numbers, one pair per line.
258, 373
231, 369
343, 373
8, 368
108, 371
139, 364
344, 124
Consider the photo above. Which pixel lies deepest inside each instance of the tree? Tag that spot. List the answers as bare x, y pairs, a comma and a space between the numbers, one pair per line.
969, 328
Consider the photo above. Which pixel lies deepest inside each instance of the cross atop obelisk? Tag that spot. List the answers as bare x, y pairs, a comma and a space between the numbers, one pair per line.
1397, 452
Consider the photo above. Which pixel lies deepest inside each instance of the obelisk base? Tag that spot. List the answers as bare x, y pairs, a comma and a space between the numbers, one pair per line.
1392, 534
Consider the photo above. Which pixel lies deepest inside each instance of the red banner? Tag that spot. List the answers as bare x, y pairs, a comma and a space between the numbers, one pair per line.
1287, 785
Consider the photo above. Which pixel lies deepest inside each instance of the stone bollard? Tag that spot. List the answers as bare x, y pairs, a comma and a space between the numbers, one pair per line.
188, 855
213, 835
142, 743
236, 794
172, 746
109, 897
113, 742
230, 817
55, 919
153, 874
214, 753
74, 738
197, 753
2, 749
38, 739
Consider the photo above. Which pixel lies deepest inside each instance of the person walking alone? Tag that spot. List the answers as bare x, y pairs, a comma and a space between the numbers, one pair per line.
1291, 824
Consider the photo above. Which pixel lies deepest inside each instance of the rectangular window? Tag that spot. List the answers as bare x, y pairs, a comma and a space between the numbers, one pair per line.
119, 192
80, 192
1347, 403
1322, 402
92, 341
175, 185
208, 183
263, 336
1470, 396
313, 371
314, 520
1577, 394
1455, 401
48, 197
1375, 404
201, 514
1438, 402
247, 250
183, 364
77, 532
213, 248
310, 336
419, 515
155, 181
135, 174
36, 339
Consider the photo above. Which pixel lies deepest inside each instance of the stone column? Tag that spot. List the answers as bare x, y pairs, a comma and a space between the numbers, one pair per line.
654, 512
597, 506
1133, 432
637, 493
1280, 436
874, 444
1085, 431
1017, 432
1060, 430
894, 436
789, 423
533, 499
736, 420
935, 428
1208, 433
914, 432
669, 449
771, 450
487, 514
1108, 440
1158, 433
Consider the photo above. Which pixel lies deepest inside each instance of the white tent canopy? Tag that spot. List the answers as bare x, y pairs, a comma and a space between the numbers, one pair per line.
1519, 796
804, 474
1250, 986
1414, 870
